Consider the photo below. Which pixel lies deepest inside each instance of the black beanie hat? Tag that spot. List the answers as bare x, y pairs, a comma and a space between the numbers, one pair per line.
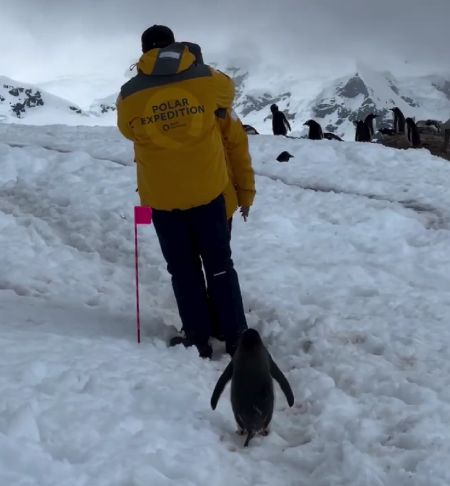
157, 36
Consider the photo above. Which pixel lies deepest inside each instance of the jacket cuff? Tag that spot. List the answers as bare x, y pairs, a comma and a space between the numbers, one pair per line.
245, 198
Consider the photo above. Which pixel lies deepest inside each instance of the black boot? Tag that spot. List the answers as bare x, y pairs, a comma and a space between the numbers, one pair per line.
180, 338
204, 349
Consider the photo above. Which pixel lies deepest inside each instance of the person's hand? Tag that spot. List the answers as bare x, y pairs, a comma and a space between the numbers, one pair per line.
244, 212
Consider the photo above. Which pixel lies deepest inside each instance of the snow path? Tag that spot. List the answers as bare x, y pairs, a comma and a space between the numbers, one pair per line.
348, 280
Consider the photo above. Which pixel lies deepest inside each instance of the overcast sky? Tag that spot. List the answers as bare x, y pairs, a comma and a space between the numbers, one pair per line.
44, 39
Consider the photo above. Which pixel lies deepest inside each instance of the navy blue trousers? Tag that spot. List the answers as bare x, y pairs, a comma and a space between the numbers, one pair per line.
188, 239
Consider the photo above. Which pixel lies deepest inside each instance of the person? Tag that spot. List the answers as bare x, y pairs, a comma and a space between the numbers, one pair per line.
240, 191
169, 111
280, 124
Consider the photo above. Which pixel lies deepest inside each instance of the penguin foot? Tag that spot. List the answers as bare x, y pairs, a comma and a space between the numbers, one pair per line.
240, 431
265, 432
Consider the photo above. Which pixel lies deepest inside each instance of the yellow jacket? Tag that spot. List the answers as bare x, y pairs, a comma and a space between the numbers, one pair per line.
240, 191
168, 111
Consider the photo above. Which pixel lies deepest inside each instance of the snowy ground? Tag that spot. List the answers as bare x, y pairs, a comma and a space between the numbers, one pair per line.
345, 269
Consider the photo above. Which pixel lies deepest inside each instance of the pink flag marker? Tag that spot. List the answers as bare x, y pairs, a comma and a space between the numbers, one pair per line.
142, 215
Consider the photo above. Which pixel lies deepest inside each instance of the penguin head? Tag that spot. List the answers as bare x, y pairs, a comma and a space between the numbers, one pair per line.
312, 124
273, 108
250, 339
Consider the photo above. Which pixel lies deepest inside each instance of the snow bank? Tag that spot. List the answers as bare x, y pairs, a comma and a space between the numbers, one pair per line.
344, 267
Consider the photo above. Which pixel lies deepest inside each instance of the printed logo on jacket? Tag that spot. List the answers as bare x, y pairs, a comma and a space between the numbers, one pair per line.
171, 117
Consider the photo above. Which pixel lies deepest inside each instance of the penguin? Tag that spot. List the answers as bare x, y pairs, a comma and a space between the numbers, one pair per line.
250, 130
362, 132
332, 136
399, 120
251, 372
280, 124
413, 133
284, 157
315, 130
369, 122
387, 131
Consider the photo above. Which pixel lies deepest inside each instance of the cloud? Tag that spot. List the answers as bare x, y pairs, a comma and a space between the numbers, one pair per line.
44, 39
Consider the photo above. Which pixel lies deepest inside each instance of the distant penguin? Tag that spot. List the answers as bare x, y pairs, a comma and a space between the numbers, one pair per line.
251, 371
284, 157
280, 124
332, 136
362, 132
399, 120
369, 122
250, 130
413, 133
315, 130
387, 131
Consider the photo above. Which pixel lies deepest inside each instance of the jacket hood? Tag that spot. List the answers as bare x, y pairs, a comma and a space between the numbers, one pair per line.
167, 61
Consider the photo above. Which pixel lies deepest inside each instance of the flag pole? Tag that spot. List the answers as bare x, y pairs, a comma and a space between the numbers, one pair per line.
136, 259
142, 215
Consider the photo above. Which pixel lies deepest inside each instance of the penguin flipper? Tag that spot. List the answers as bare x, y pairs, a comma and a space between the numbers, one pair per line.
221, 383
278, 375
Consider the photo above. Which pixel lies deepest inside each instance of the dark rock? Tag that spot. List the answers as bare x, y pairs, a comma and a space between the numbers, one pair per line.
250, 130
107, 108
353, 87
31, 100
75, 109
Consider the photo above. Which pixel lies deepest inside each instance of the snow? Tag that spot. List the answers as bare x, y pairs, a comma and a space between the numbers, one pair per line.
433, 104
344, 268
82, 89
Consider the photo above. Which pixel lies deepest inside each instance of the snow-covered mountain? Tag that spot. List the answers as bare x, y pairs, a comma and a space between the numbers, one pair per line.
26, 103
334, 102
339, 102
